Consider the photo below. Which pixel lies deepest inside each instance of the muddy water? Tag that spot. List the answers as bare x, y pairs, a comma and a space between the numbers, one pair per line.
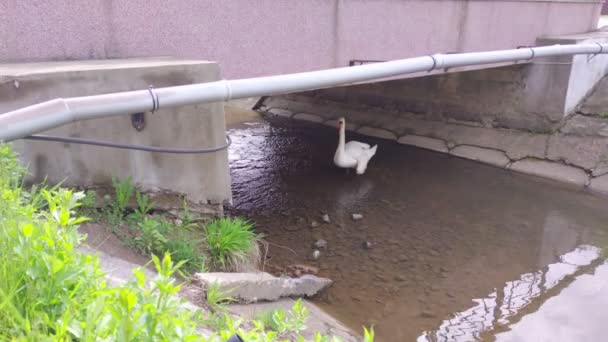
459, 250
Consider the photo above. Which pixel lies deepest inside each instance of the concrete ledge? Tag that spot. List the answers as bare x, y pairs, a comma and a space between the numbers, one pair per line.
424, 142
584, 152
280, 112
377, 132
485, 155
308, 117
599, 184
547, 169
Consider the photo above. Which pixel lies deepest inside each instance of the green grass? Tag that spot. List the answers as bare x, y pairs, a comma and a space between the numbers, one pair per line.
232, 243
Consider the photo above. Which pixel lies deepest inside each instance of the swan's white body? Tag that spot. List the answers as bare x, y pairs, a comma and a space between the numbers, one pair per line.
354, 154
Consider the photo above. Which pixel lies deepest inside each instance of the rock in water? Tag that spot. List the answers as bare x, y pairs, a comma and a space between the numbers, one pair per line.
357, 217
316, 254
326, 218
320, 244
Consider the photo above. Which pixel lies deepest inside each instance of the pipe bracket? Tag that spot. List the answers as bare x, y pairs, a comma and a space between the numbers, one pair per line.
155, 102
590, 57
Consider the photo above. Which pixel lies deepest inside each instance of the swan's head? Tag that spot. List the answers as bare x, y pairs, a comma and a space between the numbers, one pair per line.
341, 123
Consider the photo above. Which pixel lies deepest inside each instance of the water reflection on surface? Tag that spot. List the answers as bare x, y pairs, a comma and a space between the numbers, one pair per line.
507, 305
443, 230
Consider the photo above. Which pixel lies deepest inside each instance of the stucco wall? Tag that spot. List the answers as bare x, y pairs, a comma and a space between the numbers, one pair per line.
252, 38
204, 179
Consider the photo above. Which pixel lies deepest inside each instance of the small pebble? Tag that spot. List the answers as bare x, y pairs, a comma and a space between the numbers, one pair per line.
314, 224
427, 314
403, 257
326, 218
367, 245
321, 244
357, 217
316, 254
400, 277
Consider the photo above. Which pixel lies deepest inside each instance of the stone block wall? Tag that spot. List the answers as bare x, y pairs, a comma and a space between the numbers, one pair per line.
575, 151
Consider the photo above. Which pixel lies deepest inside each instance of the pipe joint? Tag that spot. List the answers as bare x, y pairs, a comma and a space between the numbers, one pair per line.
228, 95
438, 61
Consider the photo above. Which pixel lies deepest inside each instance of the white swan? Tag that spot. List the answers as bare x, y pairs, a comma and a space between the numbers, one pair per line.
354, 154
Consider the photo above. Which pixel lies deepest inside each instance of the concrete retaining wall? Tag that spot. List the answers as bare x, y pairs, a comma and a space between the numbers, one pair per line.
254, 38
204, 179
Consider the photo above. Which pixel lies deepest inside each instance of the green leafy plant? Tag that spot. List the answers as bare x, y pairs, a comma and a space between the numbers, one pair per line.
144, 206
185, 246
89, 201
217, 298
369, 335
151, 239
232, 243
284, 322
123, 191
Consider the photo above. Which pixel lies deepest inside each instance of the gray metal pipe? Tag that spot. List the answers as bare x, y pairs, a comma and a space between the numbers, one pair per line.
37, 118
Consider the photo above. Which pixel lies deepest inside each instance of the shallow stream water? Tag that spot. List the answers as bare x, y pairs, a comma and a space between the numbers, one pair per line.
447, 249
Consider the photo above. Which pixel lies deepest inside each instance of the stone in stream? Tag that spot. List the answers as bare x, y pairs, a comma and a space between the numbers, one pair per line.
326, 218
316, 254
357, 217
400, 277
314, 224
320, 244
367, 245
256, 286
427, 314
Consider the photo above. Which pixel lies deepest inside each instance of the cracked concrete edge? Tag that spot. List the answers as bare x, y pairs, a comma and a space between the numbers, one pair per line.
555, 169
318, 320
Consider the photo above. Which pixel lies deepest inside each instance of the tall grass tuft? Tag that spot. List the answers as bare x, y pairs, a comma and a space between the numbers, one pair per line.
232, 245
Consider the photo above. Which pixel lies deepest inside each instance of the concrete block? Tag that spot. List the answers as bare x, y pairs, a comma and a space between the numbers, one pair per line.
377, 132
585, 152
424, 142
253, 287
516, 144
484, 155
547, 169
308, 117
280, 112
203, 178
586, 126
600, 169
599, 184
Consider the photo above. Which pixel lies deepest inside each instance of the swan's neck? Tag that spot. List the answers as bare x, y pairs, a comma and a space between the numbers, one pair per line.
341, 140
